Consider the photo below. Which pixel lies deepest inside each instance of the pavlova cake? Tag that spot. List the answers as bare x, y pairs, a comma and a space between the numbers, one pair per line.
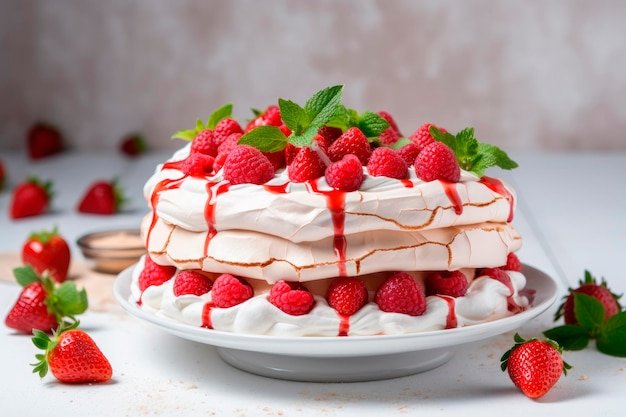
318, 220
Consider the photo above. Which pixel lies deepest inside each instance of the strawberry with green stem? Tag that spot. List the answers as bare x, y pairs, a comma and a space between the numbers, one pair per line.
42, 304
534, 365
47, 251
102, 197
71, 355
31, 198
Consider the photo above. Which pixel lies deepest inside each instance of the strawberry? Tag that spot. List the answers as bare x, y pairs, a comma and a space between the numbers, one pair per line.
247, 165
422, 136
72, 356
154, 274
42, 304
3, 176
534, 365
30, 198
352, 141
47, 251
229, 291
589, 286
306, 165
385, 162
43, 140
451, 283
295, 301
347, 295
437, 162
400, 293
102, 197
191, 282
132, 145
346, 174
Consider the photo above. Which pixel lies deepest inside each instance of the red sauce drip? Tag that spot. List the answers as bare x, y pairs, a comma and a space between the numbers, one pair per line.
344, 325
497, 186
213, 190
453, 195
512, 306
206, 316
166, 184
335, 201
277, 189
451, 321
407, 183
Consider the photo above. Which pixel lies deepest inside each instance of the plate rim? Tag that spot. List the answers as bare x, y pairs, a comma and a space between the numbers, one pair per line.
326, 346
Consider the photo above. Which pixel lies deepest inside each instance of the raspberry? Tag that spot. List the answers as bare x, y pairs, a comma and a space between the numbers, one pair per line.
329, 133
385, 162
437, 162
154, 274
191, 282
247, 165
306, 165
452, 283
497, 274
295, 302
345, 175
204, 142
229, 143
400, 293
389, 137
290, 153
347, 295
409, 152
198, 165
392, 123
277, 159
271, 117
512, 263
229, 291
219, 160
352, 141
225, 128
422, 136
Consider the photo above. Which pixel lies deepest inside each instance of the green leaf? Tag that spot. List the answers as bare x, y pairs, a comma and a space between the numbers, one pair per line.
446, 138
570, 337
25, 275
612, 337
265, 139
293, 116
589, 311
189, 134
322, 106
372, 124
342, 118
70, 301
221, 113
400, 143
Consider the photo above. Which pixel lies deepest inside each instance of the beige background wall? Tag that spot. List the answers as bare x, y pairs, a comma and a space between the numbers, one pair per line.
525, 73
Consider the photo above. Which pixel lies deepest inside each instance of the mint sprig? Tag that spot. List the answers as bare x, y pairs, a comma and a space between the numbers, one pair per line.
219, 114
610, 336
472, 155
370, 123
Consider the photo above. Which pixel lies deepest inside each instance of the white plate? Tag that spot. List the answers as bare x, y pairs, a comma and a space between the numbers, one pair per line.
343, 359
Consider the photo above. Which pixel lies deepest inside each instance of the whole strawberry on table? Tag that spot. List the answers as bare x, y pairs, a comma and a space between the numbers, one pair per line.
103, 197
47, 251
42, 140
30, 198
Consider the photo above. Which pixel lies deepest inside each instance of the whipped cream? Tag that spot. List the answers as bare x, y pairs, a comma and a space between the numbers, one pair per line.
485, 300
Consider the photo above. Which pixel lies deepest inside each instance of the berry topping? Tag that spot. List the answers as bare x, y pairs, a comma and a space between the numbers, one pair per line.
390, 135
198, 165
229, 143
512, 263
229, 291
352, 141
497, 274
247, 165
204, 142
452, 283
224, 128
154, 274
347, 295
330, 134
346, 174
409, 152
385, 162
400, 293
191, 282
293, 301
422, 137
306, 165
437, 162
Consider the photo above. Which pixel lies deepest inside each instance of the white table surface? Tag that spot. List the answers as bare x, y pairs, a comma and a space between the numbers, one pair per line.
570, 212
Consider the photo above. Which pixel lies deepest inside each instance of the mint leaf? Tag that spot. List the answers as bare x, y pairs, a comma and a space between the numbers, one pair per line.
372, 124
265, 139
293, 116
221, 113
570, 337
612, 337
342, 118
589, 312
401, 142
472, 155
69, 301
321, 107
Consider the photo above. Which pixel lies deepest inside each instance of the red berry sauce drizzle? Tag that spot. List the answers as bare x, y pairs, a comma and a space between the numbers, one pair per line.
213, 189
206, 316
497, 186
451, 321
166, 184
